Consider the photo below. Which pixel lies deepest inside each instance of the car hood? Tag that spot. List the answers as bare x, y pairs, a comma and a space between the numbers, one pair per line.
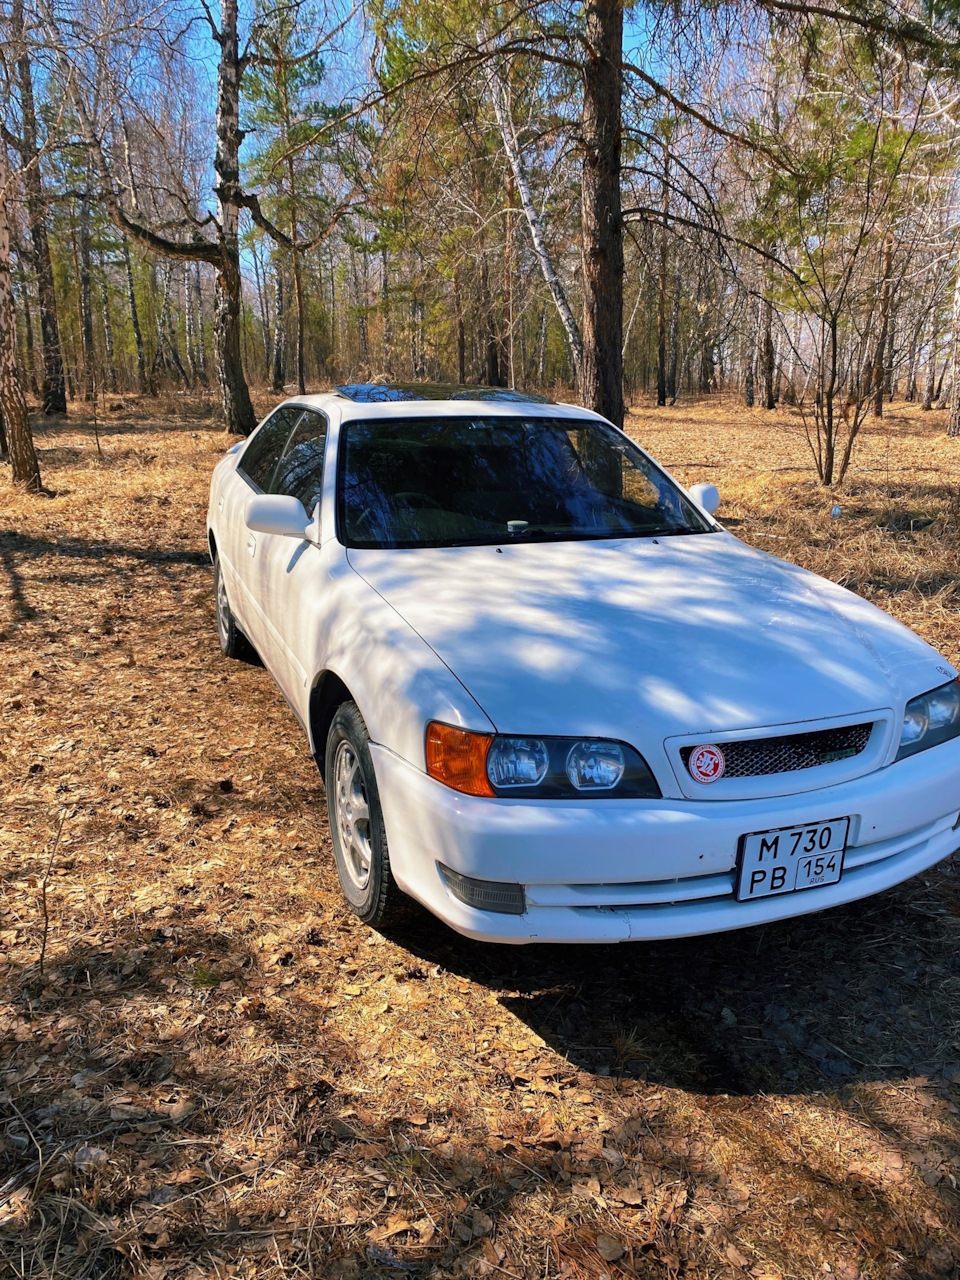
628, 638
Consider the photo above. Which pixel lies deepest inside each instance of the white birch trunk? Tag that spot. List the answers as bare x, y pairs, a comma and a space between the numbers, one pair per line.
512, 149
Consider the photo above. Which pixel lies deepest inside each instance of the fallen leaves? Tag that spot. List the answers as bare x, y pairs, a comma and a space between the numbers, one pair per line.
227, 1045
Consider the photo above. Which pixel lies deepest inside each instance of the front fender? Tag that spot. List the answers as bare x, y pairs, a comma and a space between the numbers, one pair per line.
397, 681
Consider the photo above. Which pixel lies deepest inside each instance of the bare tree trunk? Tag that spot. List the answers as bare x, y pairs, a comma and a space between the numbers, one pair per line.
767, 354
238, 413
301, 320
261, 303
31, 348
912, 363
201, 346
491, 367
461, 333
879, 373
602, 222
54, 387
279, 336
930, 381
107, 329
159, 365
86, 304
508, 134
542, 347
673, 359
13, 407
360, 294
662, 285
190, 323
953, 421
889, 381
748, 372
385, 309
142, 387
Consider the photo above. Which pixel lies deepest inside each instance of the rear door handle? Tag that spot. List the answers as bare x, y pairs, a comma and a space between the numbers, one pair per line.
251, 544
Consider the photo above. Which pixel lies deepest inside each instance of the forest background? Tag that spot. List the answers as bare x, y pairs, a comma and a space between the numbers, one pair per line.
608, 201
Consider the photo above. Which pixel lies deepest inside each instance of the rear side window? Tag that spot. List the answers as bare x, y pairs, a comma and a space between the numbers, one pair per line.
300, 472
259, 459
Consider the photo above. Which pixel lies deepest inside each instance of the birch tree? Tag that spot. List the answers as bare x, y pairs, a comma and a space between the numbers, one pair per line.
24, 465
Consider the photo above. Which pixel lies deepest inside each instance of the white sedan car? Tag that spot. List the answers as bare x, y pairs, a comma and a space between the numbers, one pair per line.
550, 697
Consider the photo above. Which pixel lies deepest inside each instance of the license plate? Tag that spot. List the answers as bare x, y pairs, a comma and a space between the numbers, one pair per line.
791, 858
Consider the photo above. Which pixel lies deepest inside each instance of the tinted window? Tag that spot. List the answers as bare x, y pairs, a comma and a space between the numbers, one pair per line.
471, 480
259, 459
300, 472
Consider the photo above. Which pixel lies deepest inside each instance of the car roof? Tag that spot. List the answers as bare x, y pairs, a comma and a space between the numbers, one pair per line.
393, 392
433, 399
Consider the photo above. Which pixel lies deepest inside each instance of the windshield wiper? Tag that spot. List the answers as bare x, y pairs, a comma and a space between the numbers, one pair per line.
676, 528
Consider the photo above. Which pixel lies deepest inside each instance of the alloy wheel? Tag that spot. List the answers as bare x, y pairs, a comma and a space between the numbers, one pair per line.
352, 815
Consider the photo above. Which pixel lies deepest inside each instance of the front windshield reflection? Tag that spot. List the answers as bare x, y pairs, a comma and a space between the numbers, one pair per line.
468, 481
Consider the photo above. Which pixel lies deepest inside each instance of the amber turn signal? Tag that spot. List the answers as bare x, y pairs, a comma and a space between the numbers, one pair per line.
458, 758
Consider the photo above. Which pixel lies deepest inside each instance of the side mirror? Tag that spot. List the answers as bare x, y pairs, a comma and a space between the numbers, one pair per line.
279, 514
705, 496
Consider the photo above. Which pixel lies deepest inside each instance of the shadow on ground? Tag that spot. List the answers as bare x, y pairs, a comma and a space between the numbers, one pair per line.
864, 992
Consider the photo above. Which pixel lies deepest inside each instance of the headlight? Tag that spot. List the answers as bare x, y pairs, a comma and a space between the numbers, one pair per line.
537, 768
932, 718
595, 765
517, 762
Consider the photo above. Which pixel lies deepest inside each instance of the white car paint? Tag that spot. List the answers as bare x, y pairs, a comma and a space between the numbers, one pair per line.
657, 643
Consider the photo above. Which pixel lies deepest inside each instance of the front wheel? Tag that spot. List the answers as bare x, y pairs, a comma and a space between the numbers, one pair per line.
356, 823
233, 642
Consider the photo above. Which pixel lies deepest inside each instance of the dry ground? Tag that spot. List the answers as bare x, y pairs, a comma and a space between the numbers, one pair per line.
216, 1071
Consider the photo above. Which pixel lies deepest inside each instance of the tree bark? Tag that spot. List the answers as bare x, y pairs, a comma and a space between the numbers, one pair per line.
86, 304
385, 310
360, 296
54, 386
542, 254
602, 222
930, 380
461, 333
953, 421
108, 343
279, 337
135, 321
879, 371
238, 413
674, 357
13, 406
769, 399
201, 346
662, 286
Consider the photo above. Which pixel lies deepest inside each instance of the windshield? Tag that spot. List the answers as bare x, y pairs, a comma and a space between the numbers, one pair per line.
466, 481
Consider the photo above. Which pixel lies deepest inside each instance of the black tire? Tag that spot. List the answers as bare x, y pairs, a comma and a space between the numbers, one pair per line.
233, 642
356, 824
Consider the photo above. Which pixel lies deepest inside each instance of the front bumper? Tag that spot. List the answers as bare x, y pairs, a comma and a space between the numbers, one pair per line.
616, 870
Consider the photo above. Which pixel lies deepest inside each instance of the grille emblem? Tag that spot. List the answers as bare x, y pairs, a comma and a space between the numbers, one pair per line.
706, 764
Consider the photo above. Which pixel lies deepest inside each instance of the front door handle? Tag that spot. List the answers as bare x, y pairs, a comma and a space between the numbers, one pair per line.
251, 544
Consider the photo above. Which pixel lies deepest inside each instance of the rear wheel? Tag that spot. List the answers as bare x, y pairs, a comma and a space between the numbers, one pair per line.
232, 640
356, 823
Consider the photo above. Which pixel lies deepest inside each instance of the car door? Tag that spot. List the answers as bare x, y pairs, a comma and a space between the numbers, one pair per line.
240, 547
284, 567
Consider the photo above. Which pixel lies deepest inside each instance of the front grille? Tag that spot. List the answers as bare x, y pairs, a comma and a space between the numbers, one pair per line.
756, 757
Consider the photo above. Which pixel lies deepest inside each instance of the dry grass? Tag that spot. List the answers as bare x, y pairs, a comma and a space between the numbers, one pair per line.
220, 1073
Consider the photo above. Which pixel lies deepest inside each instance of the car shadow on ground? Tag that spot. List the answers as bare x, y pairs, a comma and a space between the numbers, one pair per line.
863, 992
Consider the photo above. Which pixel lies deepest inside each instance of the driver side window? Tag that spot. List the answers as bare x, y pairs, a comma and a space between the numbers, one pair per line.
258, 462
300, 470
